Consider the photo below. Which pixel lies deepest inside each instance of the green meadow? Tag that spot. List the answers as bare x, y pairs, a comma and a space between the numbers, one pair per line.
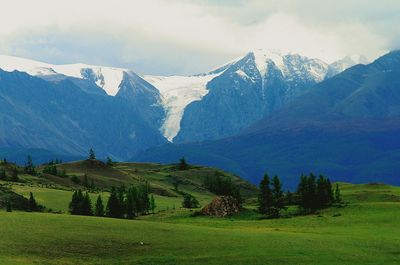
366, 231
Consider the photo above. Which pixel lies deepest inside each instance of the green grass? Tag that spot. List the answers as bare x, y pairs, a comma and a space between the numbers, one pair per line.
58, 200
364, 232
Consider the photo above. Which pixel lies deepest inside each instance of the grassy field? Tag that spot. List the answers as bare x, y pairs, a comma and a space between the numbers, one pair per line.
364, 232
367, 231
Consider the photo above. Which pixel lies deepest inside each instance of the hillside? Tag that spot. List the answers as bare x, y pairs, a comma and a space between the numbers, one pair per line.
55, 191
364, 232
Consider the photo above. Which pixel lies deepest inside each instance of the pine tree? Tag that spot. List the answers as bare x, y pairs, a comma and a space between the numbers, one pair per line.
152, 204
175, 181
324, 192
14, 174
238, 196
278, 198
130, 203
109, 161
2, 173
121, 199
99, 210
86, 205
92, 155
337, 196
85, 181
189, 201
29, 167
76, 204
8, 206
265, 199
92, 186
143, 202
183, 164
113, 207
32, 202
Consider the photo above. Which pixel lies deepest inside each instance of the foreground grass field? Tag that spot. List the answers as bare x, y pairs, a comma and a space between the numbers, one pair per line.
365, 232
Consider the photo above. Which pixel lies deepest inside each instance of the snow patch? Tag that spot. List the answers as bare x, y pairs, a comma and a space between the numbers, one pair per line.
177, 92
263, 57
108, 78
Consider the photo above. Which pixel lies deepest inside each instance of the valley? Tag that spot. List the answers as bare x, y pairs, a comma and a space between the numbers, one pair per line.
363, 232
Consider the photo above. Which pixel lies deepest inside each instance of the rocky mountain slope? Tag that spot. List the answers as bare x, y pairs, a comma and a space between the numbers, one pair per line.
346, 126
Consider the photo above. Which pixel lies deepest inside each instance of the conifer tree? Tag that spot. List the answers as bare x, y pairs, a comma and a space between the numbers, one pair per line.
113, 207
76, 204
121, 199
14, 174
189, 201
8, 206
92, 155
29, 167
92, 186
109, 161
85, 181
86, 205
278, 198
152, 204
32, 202
265, 199
131, 201
183, 164
337, 196
2, 173
99, 210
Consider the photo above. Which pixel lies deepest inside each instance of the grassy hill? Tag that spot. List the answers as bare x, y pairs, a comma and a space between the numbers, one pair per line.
55, 191
364, 232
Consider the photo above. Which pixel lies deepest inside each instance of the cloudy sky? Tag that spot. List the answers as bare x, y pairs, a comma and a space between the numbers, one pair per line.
188, 36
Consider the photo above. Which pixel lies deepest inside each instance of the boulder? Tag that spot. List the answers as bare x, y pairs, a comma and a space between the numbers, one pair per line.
222, 206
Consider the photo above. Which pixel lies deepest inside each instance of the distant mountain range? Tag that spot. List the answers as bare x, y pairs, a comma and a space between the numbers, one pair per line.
262, 111
346, 126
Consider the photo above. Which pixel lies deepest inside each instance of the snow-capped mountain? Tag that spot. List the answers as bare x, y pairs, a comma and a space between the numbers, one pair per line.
108, 78
345, 63
200, 107
247, 90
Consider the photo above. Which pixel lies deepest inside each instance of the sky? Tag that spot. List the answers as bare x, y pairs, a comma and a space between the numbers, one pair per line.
168, 37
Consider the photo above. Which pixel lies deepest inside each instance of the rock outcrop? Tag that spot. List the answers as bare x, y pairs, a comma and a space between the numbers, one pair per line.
222, 206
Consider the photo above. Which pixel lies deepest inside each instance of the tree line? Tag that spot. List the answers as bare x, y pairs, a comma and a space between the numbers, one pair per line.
223, 186
312, 194
122, 203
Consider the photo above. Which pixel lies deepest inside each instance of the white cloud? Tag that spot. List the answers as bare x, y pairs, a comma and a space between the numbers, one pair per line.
175, 36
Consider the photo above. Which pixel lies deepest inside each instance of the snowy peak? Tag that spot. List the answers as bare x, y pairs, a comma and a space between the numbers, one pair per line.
291, 66
263, 58
108, 78
345, 63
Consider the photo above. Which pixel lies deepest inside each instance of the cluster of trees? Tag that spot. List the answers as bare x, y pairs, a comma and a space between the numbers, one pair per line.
51, 168
312, 194
271, 199
29, 166
12, 176
189, 201
92, 156
88, 183
316, 193
122, 203
12, 201
80, 203
223, 186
